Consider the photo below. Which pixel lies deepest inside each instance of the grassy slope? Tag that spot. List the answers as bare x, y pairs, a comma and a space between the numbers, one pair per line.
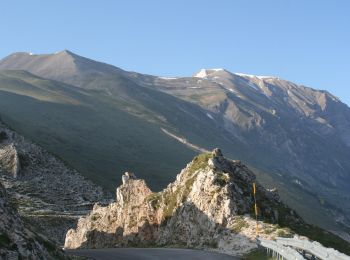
288, 218
101, 139
259, 254
297, 199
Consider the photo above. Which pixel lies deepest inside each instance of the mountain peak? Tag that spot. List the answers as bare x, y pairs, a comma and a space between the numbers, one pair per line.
64, 66
66, 52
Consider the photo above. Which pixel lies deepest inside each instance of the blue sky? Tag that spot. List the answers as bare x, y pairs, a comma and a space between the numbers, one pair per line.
307, 42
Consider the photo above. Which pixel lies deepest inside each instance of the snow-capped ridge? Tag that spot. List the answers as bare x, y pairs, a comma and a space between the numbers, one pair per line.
254, 76
203, 73
168, 78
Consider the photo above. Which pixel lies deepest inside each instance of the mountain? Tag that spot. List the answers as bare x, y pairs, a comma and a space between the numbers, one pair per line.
210, 206
104, 121
63, 66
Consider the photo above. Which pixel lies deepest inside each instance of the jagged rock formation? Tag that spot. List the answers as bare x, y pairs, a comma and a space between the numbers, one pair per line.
19, 242
48, 194
9, 161
208, 206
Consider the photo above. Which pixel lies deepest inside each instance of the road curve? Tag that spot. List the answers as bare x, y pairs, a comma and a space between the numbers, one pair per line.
149, 254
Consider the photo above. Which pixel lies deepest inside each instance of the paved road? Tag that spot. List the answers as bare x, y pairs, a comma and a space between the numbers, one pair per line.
149, 254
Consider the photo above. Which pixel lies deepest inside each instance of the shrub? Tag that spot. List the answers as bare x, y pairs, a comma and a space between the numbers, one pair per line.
3, 136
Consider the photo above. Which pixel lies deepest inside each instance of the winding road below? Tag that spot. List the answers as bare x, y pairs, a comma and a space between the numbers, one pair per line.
149, 253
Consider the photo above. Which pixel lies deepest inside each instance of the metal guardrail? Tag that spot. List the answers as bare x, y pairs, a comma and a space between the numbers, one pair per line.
284, 251
313, 247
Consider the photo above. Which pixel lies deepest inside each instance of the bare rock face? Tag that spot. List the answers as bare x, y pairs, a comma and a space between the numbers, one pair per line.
129, 219
9, 160
19, 242
208, 206
127, 176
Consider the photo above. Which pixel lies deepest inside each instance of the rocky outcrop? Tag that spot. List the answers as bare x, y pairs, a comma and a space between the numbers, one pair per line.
210, 205
48, 194
9, 161
19, 242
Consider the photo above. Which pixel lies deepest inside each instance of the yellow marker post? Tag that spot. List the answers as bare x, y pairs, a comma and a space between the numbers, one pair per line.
256, 209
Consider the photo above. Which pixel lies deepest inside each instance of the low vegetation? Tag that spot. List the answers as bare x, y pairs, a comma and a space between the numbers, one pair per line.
5, 240
258, 254
314, 233
290, 223
199, 162
172, 199
222, 179
239, 224
3, 136
95, 217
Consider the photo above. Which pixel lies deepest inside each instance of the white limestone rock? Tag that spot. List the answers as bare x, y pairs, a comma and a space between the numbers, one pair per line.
208, 207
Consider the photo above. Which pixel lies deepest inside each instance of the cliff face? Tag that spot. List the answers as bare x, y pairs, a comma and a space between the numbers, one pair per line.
9, 160
16, 240
208, 206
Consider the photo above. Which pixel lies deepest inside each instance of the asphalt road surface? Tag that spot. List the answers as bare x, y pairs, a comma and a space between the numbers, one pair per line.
149, 254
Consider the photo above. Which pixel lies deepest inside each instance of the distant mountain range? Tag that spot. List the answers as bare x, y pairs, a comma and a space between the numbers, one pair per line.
103, 121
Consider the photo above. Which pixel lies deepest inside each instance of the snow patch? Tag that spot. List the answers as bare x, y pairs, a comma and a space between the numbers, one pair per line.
185, 141
203, 73
210, 116
253, 86
296, 181
233, 90
167, 78
254, 76
237, 94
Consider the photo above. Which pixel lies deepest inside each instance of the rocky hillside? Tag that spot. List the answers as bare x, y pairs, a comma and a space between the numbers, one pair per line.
17, 241
48, 194
210, 205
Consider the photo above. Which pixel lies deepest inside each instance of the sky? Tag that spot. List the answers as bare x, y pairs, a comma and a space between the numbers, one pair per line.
304, 41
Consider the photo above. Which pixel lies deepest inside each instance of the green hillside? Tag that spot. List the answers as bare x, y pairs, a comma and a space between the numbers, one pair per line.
99, 138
